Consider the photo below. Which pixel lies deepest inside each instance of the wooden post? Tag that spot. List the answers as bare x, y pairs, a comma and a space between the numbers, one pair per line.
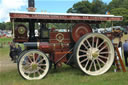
120, 60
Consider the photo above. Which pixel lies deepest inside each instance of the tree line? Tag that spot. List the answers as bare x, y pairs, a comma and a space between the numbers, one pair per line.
115, 7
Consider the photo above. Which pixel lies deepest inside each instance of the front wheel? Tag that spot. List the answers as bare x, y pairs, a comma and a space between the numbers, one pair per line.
94, 53
33, 65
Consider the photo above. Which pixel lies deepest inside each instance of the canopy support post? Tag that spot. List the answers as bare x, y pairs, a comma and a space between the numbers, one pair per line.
13, 28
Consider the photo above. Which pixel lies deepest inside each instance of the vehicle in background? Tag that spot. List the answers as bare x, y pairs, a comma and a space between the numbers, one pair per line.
5, 33
8, 35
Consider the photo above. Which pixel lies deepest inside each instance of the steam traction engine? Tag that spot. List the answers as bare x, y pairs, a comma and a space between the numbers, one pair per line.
92, 53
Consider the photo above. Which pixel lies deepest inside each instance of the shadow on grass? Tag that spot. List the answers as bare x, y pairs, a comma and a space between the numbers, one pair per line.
66, 69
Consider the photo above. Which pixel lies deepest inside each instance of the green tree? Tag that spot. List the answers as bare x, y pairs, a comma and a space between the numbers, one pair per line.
125, 4
8, 26
114, 4
2, 26
96, 7
99, 7
118, 4
121, 12
81, 7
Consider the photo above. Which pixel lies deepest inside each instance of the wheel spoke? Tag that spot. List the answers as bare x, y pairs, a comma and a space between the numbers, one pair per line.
103, 57
90, 65
42, 65
93, 41
26, 67
97, 41
27, 70
98, 63
95, 66
86, 64
84, 60
83, 55
89, 43
25, 61
83, 51
29, 74
30, 59
103, 48
37, 58
40, 61
34, 74
33, 57
104, 52
38, 72
84, 46
101, 61
101, 44
41, 69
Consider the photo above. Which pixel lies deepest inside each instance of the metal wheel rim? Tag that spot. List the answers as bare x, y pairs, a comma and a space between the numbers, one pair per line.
95, 61
41, 69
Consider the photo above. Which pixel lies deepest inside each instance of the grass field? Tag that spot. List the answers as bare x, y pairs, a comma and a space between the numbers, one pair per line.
4, 52
65, 75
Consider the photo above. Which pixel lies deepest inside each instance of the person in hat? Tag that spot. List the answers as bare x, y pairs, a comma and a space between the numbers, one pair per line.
13, 52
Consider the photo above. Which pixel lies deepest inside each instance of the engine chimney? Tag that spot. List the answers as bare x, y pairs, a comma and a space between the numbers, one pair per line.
31, 6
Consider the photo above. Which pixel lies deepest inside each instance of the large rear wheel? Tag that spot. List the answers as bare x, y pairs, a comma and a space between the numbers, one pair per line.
33, 65
94, 53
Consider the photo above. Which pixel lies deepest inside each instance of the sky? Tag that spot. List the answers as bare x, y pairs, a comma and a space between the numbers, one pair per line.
50, 6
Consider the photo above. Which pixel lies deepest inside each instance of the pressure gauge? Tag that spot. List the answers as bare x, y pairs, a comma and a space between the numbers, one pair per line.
21, 30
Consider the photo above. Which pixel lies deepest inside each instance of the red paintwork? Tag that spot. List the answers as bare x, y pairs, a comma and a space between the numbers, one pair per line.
45, 47
66, 37
21, 40
79, 30
56, 49
62, 17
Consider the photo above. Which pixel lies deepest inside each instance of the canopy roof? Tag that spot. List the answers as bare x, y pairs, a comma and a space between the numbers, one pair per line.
61, 17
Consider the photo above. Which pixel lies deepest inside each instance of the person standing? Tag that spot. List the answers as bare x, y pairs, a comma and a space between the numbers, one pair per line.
125, 47
13, 52
120, 43
120, 47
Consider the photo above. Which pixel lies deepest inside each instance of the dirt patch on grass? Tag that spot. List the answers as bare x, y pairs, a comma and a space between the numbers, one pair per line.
6, 65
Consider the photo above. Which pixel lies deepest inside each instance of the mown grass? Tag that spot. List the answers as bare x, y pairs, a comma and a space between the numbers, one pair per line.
66, 76
4, 47
4, 52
